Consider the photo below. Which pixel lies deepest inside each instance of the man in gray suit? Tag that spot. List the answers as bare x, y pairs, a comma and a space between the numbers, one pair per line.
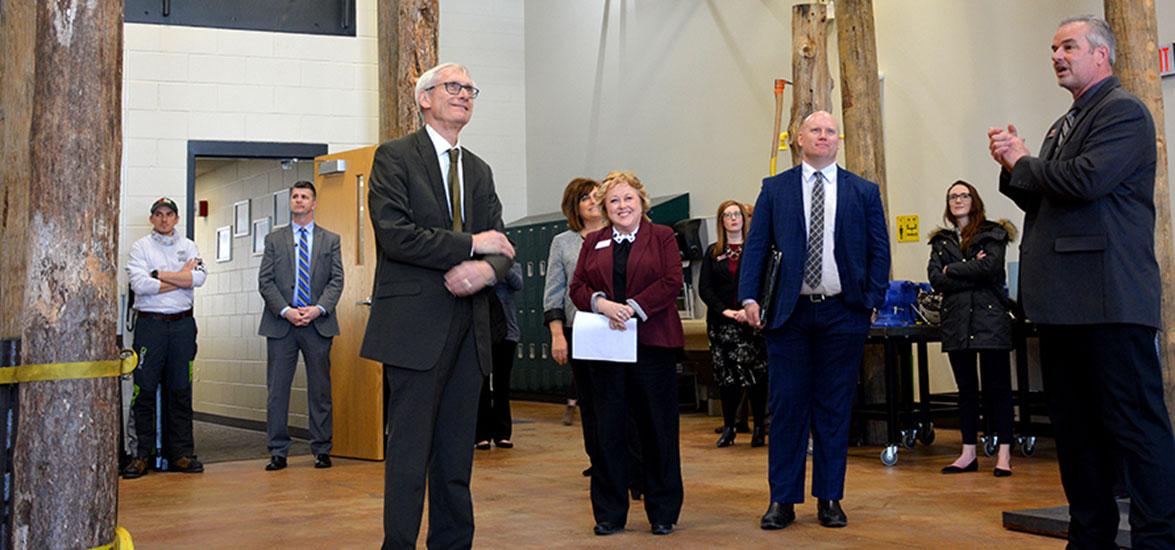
301, 278
438, 228
1089, 279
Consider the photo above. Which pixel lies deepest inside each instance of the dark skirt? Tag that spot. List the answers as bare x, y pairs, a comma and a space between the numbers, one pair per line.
739, 354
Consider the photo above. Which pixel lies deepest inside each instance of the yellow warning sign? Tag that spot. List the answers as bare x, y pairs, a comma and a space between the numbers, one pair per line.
908, 229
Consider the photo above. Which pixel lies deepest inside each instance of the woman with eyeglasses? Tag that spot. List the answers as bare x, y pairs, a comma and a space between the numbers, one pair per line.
583, 217
967, 267
738, 351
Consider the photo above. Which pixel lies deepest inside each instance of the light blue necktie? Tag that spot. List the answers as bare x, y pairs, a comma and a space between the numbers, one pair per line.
302, 286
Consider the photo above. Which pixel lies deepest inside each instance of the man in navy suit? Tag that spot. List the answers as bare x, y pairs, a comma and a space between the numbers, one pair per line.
1090, 281
829, 226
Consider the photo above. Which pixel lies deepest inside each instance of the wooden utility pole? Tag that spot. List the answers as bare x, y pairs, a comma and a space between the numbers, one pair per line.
408, 32
1137, 34
812, 89
860, 93
61, 140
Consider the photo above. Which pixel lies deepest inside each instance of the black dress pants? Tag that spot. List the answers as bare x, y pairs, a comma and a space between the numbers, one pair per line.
1105, 393
494, 421
648, 389
995, 366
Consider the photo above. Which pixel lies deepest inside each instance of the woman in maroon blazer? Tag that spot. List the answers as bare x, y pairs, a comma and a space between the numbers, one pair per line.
632, 269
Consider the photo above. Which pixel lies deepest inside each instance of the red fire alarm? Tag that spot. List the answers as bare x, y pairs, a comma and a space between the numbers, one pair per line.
202, 209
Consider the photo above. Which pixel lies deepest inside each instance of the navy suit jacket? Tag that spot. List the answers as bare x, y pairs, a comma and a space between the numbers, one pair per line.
861, 244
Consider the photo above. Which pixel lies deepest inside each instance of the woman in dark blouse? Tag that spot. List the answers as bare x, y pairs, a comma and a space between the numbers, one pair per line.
632, 270
738, 350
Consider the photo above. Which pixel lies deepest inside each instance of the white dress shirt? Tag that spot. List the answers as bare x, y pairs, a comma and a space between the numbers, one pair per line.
830, 277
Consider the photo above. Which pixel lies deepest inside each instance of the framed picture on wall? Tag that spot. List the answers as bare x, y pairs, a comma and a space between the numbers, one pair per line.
241, 218
281, 208
224, 244
260, 230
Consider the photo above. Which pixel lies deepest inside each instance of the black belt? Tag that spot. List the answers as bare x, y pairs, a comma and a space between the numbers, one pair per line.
817, 298
165, 316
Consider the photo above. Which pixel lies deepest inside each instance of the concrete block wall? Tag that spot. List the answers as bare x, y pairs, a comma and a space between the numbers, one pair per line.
229, 372
188, 83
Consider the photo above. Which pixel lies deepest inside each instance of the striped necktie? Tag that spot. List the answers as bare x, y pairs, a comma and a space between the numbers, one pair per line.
1066, 127
814, 266
302, 286
455, 188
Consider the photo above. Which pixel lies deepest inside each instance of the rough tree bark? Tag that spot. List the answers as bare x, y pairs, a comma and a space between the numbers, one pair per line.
812, 86
860, 93
407, 47
1137, 33
61, 78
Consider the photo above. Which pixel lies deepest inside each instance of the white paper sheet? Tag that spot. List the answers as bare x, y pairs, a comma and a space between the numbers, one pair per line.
592, 339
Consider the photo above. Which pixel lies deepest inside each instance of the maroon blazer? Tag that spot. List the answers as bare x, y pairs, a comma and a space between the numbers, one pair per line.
653, 280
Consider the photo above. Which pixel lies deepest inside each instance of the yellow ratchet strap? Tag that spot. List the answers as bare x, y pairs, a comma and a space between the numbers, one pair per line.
125, 364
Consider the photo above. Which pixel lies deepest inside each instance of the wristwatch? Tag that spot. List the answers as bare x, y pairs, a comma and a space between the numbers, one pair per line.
154, 273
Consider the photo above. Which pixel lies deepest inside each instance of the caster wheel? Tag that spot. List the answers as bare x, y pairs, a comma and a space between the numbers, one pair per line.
926, 435
990, 443
889, 456
1028, 446
909, 438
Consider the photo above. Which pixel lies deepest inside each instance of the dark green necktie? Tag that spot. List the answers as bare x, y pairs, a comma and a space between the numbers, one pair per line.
455, 189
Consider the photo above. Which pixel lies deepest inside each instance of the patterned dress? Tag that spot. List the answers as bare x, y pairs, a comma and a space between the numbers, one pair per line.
738, 351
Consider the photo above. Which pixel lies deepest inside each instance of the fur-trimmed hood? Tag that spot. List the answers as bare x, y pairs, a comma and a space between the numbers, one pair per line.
1003, 225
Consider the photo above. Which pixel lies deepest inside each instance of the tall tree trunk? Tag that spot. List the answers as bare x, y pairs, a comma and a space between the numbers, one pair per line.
408, 32
812, 89
860, 93
1137, 33
62, 140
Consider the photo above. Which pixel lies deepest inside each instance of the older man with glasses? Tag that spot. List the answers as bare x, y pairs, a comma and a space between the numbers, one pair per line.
438, 227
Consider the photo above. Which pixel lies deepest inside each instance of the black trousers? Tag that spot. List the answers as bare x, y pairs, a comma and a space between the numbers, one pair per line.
581, 377
995, 366
732, 397
648, 389
166, 350
1105, 393
431, 421
493, 413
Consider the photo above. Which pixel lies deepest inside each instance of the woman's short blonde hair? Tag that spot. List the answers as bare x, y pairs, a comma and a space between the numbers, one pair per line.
616, 178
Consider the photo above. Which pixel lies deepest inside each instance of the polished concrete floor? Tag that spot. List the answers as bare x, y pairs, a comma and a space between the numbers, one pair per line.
533, 496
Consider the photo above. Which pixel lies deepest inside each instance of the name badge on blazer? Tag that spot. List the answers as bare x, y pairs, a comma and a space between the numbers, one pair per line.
603, 244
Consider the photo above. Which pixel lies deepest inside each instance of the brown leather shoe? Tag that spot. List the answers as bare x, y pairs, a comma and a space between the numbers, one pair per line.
186, 465
136, 468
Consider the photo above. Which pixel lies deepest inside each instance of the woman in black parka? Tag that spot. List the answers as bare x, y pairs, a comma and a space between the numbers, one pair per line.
967, 267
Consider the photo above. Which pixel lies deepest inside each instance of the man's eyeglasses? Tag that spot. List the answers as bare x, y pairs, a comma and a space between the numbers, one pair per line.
454, 88
959, 197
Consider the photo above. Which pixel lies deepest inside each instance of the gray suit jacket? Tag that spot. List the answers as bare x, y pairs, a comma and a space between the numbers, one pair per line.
411, 311
276, 280
1087, 256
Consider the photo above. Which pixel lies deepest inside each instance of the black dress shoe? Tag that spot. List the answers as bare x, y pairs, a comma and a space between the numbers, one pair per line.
757, 437
275, 463
503, 444
662, 528
726, 439
972, 467
604, 529
830, 513
587, 472
322, 461
482, 445
1000, 472
778, 516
